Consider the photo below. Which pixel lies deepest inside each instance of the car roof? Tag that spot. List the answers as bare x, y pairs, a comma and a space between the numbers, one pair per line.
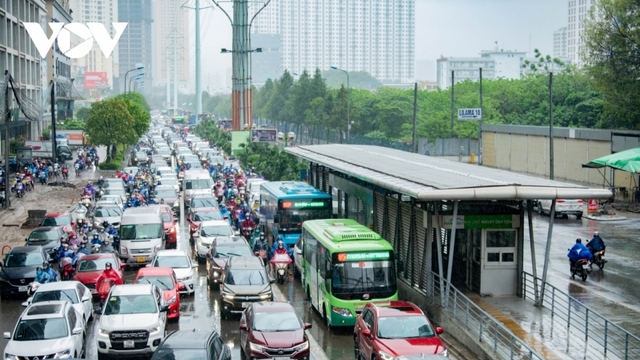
132, 289
245, 262
97, 256
272, 306
107, 204
45, 228
161, 253
56, 214
25, 249
214, 223
397, 308
160, 187
113, 180
206, 209
233, 240
160, 270
45, 309
202, 193
58, 285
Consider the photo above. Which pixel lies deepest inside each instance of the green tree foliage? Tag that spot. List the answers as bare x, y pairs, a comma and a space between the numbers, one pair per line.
218, 105
110, 124
542, 64
70, 124
82, 113
274, 164
357, 79
138, 98
277, 109
209, 130
141, 116
612, 52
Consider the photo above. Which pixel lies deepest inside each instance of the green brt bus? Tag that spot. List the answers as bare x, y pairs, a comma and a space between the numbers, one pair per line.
178, 119
346, 265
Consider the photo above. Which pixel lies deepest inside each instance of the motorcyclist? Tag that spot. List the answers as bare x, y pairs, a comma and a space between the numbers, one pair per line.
83, 249
578, 252
106, 247
41, 276
96, 239
60, 249
81, 208
53, 275
280, 248
110, 274
596, 244
100, 181
247, 222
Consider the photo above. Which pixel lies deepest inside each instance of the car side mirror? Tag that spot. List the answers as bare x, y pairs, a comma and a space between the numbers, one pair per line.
244, 327
366, 332
26, 303
439, 330
164, 308
123, 265
307, 326
77, 331
7, 335
86, 298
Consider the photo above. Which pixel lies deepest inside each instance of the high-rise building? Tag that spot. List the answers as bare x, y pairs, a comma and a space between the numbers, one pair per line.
171, 23
578, 12
560, 43
136, 43
375, 36
95, 63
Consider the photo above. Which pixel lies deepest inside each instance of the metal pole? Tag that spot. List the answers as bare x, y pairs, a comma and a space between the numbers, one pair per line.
348, 108
452, 103
480, 124
125, 81
7, 117
53, 121
451, 251
198, 69
415, 114
551, 165
439, 249
175, 71
533, 251
168, 105
552, 216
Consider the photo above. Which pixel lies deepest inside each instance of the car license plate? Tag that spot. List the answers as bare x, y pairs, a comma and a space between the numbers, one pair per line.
141, 259
245, 304
129, 344
23, 288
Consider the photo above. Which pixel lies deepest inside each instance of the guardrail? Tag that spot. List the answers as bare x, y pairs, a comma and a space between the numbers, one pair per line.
484, 327
582, 323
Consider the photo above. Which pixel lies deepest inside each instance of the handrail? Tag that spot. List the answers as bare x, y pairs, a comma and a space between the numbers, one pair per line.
599, 334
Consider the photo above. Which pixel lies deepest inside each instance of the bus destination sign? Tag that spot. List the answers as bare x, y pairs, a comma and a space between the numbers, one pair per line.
303, 204
361, 256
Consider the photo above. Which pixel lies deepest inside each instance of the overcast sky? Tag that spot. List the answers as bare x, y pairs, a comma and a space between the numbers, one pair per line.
443, 27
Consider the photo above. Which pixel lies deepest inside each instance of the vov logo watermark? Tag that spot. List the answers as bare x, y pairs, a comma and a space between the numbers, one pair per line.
62, 32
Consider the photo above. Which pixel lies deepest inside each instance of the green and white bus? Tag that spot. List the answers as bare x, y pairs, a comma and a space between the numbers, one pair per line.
345, 265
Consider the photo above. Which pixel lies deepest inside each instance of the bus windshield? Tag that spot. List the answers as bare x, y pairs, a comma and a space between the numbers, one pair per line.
354, 279
291, 220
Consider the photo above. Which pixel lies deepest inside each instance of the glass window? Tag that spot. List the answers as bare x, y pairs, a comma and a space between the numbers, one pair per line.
41, 329
220, 230
501, 239
207, 215
181, 354
54, 295
276, 321
44, 235
162, 282
142, 231
403, 327
176, 262
246, 277
108, 212
130, 304
93, 265
23, 259
56, 221
227, 251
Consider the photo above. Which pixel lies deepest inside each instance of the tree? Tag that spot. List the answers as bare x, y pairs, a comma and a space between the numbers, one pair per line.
83, 113
612, 54
544, 64
110, 124
277, 109
139, 98
71, 124
357, 79
141, 117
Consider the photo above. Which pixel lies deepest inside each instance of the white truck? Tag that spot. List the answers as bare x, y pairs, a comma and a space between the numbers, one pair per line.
44, 149
73, 137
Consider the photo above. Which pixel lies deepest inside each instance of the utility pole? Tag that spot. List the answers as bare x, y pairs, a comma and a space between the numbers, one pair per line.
551, 162
198, 70
7, 117
452, 103
480, 124
415, 116
54, 150
175, 71
166, 61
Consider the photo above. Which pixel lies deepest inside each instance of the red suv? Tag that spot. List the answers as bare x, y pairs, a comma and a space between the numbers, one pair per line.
388, 332
272, 329
169, 226
165, 279
90, 267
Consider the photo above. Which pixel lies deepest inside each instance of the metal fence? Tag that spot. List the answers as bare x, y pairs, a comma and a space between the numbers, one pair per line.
583, 324
333, 137
482, 326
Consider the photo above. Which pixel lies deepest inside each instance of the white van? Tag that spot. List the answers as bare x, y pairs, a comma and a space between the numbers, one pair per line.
196, 180
141, 235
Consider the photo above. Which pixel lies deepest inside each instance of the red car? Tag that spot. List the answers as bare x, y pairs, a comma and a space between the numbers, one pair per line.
61, 219
199, 215
165, 279
90, 267
401, 328
169, 226
272, 329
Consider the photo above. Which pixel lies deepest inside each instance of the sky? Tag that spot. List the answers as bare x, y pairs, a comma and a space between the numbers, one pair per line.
443, 27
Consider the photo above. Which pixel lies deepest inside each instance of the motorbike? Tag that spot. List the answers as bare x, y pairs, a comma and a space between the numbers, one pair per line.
247, 232
280, 265
598, 259
77, 167
65, 173
42, 176
103, 288
580, 268
18, 188
96, 161
32, 287
67, 270
262, 254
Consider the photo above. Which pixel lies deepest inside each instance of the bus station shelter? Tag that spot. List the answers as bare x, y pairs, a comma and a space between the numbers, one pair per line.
461, 221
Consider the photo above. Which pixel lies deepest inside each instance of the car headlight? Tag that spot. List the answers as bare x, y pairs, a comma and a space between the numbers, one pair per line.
123, 250
215, 273
341, 311
62, 354
187, 278
154, 330
103, 332
256, 347
444, 352
302, 347
265, 296
8, 356
385, 356
227, 296
172, 300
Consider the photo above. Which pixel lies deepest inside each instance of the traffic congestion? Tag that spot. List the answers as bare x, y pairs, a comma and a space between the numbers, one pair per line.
122, 271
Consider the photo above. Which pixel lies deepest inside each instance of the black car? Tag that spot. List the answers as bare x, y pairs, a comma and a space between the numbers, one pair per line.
244, 281
48, 237
192, 344
19, 269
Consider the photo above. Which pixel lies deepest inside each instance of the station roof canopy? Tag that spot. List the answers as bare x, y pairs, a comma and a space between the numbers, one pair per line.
432, 178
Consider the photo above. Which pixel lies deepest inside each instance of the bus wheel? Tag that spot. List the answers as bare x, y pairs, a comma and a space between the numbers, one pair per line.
326, 318
308, 294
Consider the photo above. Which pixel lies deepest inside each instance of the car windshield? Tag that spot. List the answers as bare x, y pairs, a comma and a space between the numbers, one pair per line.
113, 198
44, 235
376, 278
141, 155
276, 321
207, 215
23, 259
114, 191
41, 329
291, 220
168, 181
220, 230
141, 231
112, 184
53, 295
246, 277
176, 262
130, 304
56, 221
162, 282
166, 194
108, 212
204, 202
179, 354
166, 218
403, 327
223, 251
93, 265
198, 184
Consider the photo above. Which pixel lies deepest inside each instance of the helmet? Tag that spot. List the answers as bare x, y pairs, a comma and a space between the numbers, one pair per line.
105, 241
101, 177
105, 223
578, 241
45, 265
88, 183
247, 213
65, 245
83, 243
107, 266
280, 244
85, 238
596, 233
261, 235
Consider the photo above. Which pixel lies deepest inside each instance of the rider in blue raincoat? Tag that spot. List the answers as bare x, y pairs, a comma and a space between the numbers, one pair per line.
578, 252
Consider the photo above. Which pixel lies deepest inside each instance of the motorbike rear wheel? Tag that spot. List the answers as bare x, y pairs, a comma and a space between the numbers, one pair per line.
584, 275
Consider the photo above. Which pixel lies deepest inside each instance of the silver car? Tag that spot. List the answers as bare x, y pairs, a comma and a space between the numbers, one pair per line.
111, 213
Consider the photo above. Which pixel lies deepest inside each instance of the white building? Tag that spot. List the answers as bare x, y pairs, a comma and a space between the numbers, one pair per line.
578, 12
106, 13
560, 43
171, 23
375, 36
495, 64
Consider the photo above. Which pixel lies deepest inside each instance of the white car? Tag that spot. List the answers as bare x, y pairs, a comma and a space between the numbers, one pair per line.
181, 264
132, 322
74, 292
111, 199
47, 330
563, 207
207, 232
297, 257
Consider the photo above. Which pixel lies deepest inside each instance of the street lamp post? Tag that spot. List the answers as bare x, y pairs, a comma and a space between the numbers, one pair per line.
135, 77
127, 73
348, 101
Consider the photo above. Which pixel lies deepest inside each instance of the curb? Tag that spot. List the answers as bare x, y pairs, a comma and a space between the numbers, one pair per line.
314, 346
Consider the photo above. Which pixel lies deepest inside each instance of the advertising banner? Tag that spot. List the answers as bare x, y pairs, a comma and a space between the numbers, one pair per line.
268, 135
93, 80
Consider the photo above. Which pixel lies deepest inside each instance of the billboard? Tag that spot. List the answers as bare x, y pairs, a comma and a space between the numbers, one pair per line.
263, 135
93, 80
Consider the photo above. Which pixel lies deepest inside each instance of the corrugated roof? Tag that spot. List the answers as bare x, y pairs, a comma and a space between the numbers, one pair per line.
432, 178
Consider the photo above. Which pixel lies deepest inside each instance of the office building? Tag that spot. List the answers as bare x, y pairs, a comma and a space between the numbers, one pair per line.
578, 12
95, 64
560, 43
495, 64
375, 36
136, 43
171, 24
